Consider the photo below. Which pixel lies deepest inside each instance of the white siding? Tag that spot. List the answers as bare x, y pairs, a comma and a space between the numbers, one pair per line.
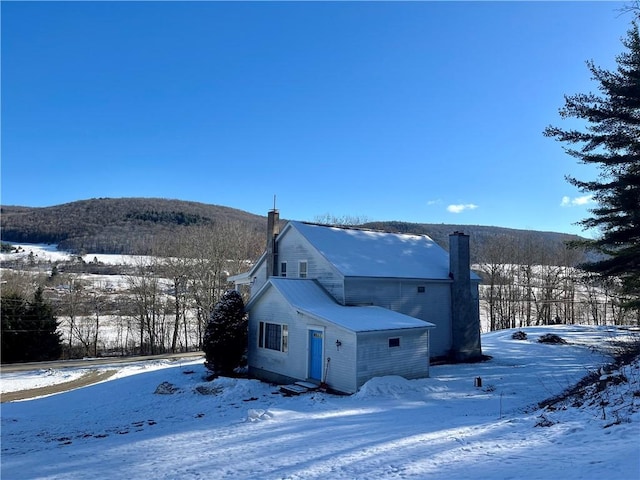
401, 295
341, 375
272, 308
376, 358
294, 248
259, 278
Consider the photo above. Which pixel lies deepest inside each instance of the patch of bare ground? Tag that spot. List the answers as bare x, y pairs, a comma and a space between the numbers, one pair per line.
87, 379
611, 392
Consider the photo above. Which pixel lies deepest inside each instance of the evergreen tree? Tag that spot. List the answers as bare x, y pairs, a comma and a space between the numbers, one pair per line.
29, 330
611, 141
47, 339
13, 309
225, 338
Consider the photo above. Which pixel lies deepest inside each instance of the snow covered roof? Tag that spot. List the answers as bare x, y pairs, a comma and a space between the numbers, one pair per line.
376, 254
367, 253
309, 297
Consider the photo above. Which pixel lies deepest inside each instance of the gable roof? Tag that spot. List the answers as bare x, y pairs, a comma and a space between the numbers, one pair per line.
363, 253
366, 253
310, 298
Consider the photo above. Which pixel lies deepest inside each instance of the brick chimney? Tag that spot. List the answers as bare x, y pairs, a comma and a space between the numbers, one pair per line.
273, 229
465, 310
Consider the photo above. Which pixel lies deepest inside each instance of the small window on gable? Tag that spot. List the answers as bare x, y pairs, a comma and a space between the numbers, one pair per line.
283, 269
421, 289
302, 272
394, 342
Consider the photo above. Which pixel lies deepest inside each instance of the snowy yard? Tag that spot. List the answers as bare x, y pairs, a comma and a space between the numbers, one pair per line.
438, 428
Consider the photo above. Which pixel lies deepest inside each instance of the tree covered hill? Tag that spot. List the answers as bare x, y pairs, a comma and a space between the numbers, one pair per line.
131, 225
115, 225
484, 238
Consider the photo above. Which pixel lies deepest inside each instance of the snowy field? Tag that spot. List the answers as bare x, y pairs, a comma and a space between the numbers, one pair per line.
442, 427
43, 252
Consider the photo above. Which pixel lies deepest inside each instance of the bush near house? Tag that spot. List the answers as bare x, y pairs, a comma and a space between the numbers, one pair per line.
225, 339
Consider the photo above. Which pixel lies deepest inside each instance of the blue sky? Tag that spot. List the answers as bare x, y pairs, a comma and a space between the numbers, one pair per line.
427, 112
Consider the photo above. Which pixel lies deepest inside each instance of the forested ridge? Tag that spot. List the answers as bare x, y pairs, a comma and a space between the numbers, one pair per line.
131, 225
115, 225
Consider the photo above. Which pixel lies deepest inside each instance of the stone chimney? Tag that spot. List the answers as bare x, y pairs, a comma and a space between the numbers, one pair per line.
465, 309
273, 229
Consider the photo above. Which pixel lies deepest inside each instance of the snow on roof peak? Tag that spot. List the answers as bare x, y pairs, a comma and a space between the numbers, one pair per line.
369, 253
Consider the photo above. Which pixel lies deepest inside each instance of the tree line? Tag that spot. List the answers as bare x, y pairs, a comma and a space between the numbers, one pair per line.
163, 302
159, 303
526, 284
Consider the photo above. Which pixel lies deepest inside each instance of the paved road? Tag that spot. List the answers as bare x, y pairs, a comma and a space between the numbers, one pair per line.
88, 378
88, 362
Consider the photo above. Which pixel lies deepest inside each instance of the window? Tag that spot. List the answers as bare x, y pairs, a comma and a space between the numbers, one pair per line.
273, 336
283, 269
421, 289
285, 338
302, 269
394, 342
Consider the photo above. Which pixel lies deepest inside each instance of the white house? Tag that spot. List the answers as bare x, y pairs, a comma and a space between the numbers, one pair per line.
342, 305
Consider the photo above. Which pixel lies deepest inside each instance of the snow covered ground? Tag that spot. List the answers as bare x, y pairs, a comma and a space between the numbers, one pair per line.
44, 252
441, 427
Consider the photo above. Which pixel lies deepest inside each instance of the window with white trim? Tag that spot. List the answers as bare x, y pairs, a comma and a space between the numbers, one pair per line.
283, 269
273, 336
302, 269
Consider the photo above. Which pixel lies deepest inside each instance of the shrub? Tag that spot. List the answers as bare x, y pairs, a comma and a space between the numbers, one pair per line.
225, 339
551, 338
519, 335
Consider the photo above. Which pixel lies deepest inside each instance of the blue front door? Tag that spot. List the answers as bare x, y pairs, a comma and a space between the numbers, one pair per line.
315, 354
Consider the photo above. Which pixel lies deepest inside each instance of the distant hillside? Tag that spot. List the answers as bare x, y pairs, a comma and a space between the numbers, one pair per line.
480, 236
114, 225
129, 225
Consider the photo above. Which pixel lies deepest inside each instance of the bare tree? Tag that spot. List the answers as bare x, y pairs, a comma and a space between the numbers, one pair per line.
341, 221
216, 253
569, 258
19, 282
98, 302
71, 305
498, 274
146, 292
177, 267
